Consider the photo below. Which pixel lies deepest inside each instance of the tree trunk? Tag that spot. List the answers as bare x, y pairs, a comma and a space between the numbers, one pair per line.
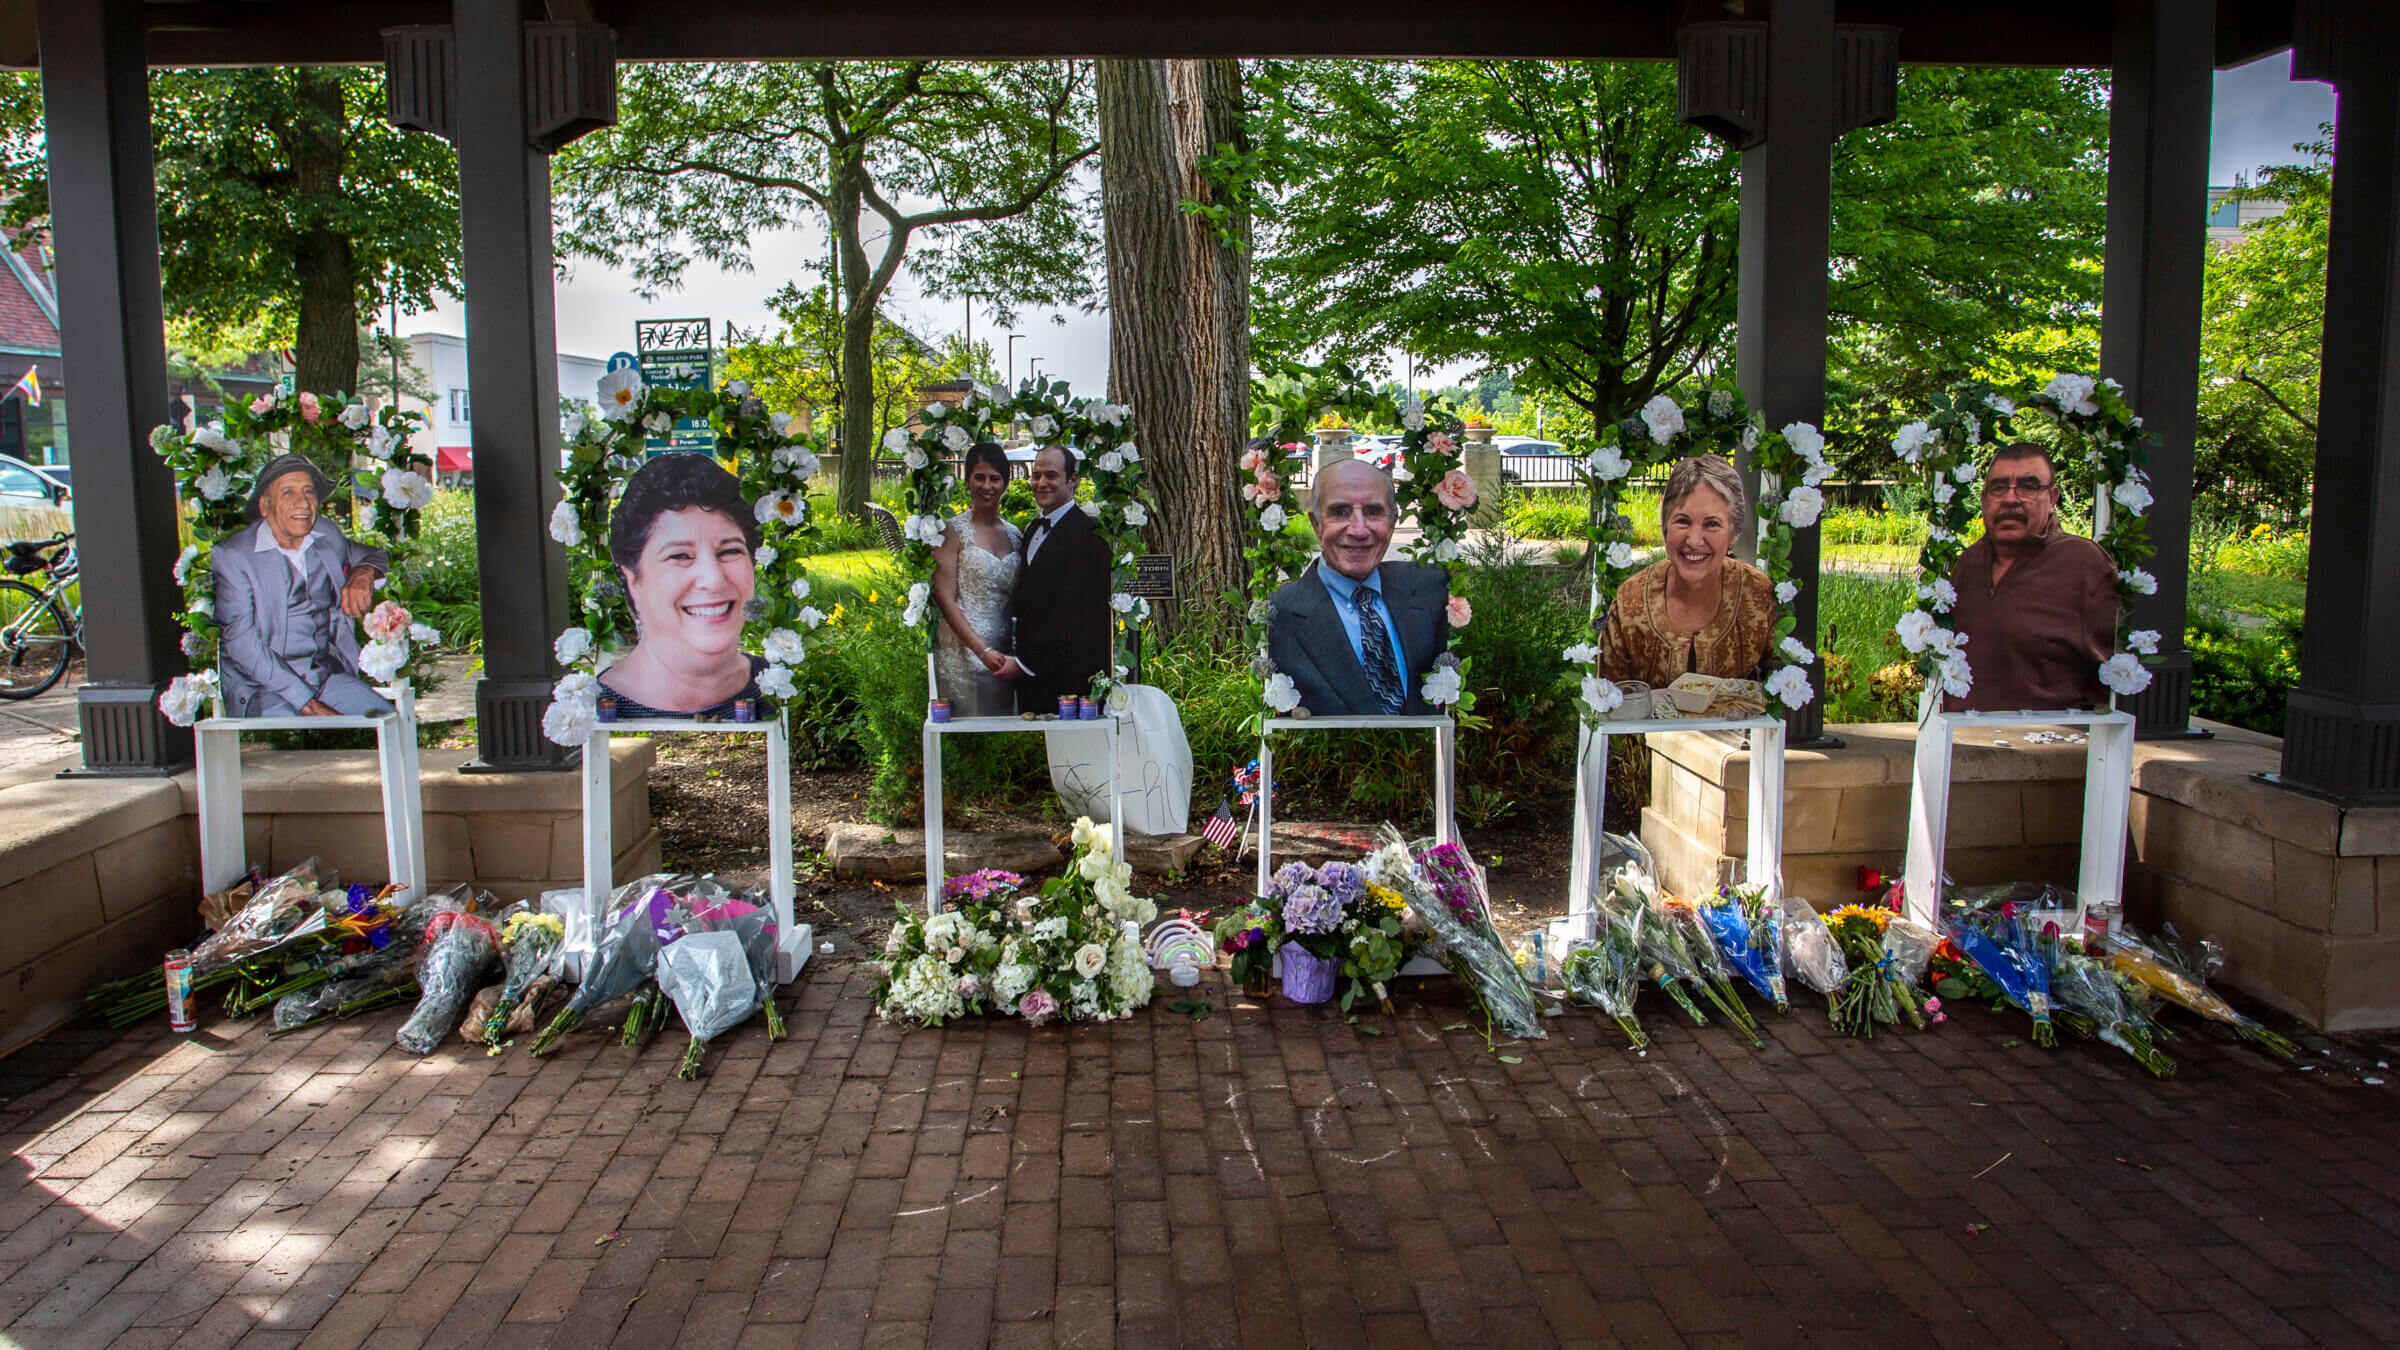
326, 347
1179, 309
858, 411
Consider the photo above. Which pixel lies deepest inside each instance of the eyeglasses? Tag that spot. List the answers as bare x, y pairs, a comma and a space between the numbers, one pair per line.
1997, 488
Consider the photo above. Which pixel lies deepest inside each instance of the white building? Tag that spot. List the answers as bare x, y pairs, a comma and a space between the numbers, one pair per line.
2228, 216
450, 417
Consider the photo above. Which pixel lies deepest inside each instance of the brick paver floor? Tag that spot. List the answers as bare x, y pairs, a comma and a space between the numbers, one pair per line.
1259, 1177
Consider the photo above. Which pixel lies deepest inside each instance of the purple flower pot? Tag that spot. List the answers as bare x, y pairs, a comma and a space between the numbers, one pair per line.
1308, 978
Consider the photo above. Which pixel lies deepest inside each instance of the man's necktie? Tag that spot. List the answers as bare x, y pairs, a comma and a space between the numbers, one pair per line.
1383, 671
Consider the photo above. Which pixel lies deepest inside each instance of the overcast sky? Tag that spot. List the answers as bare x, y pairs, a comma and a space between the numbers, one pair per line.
2260, 114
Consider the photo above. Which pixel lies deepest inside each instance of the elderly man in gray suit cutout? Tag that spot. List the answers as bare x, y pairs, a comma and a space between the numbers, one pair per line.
289, 587
1357, 634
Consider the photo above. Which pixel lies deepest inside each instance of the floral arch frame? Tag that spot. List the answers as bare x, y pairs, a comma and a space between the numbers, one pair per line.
1719, 422
2100, 439
773, 463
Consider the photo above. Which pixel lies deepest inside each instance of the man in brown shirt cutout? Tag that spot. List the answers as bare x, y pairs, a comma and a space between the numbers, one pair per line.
2038, 605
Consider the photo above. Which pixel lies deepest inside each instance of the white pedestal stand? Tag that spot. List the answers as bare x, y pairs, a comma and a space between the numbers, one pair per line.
1763, 866
218, 740
981, 726
1445, 787
794, 941
2107, 797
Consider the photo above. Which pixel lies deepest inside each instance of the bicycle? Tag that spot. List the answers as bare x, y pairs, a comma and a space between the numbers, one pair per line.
39, 631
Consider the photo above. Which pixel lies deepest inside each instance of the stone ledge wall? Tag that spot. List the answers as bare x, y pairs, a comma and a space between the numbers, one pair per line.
2303, 895
99, 877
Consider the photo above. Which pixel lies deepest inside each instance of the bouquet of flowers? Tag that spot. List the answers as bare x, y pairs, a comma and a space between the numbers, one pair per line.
1699, 950
1631, 902
626, 951
1380, 940
460, 948
526, 946
371, 979
1076, 948
1606, 973
351, 922
939, 968
2182, 979
2013, 958
1874, 991
710, 974
1442, 885
1745, 923
1810, 950
2092, 1003
1250, 934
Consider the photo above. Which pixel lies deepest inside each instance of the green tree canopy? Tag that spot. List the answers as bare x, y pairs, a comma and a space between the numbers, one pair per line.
287, 206
798, 363
2262, 344
961, 172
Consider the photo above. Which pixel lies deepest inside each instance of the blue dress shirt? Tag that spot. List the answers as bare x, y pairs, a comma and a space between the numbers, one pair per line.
1345, 603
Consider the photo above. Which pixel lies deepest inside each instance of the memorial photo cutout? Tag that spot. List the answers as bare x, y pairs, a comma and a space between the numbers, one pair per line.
685, 542
1356, 634
290, 588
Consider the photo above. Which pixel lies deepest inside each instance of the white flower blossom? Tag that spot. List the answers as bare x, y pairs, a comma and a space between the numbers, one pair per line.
205, 607
800, 588
1581, 654
570, 721
1943, 491
1964, 471
1916, 629
1910, 443
1043, 427
768, 505
356, 416
619, 391
1790, 687
1796, 652
1621, 555
571, 427
1602, 696
919, 594
2143, 640
782, 422
381, 443
1132, 452
1281, 694
1448, 551
1090, 959
1806, 441
765, 556
1111, 462
2139, 581
810, 616
2072, 393
928, 530
658, 423
1786, 592
776, 682
576, 684
955, 439
782, 646
380, 661
915, 458
1663, 418
565, 526
424, 633
2133, 495
1801, 507
406, 490
1136, 515
2124, 674
896, 440
2002, 405
1608, 464
1121, 602
185, 696
213, 485
1412, 415
572, 646
1271, 520
1442, 686
1957, 677
1941, 593
739, 389
183, 562
935, 412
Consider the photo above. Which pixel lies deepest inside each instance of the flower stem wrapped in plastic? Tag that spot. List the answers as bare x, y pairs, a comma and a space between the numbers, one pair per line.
1745, 924
2183, 980
460, 949
709, 975
2009, 954
1809, 949
1876, 991
526, 946
1700, 955
2087, 989
622, 960
1607, 973
1444, 888
1630, 901
649, 1009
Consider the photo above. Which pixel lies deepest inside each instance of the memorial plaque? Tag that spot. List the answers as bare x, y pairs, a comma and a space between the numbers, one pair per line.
1153, 577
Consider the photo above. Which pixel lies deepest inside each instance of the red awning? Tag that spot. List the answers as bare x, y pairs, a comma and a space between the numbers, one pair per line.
454, 459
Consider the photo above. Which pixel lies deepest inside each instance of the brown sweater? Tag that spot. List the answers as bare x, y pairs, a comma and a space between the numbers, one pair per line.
2035, 640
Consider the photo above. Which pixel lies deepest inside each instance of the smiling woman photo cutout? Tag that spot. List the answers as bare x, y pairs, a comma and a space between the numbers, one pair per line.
1698, 609
684, 541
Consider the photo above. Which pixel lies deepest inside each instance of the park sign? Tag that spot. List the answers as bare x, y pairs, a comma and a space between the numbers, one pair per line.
677, 354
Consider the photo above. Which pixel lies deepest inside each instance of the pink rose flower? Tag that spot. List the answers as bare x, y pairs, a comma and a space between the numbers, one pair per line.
1461, 613
309, 410
387, 621
1456, 491
1253, 460
1441, 444
1037, 1006
262, 405
1264, 489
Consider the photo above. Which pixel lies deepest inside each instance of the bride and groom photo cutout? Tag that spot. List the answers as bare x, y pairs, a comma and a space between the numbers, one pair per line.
1025, 613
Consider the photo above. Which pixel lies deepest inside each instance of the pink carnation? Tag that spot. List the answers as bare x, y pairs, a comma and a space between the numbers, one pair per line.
1461, 613
262, 405
387, 621
1456, 491
1441, 444
309, 411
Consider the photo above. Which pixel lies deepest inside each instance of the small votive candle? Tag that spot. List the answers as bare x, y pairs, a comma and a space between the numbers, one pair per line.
745, 710
1087, 710
1067, 705
939, 710
606, 707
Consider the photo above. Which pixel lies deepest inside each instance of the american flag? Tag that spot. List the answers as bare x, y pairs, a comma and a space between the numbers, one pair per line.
1220, 829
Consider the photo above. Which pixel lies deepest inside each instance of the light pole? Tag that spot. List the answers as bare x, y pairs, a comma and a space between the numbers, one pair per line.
1033, 369
1012, 359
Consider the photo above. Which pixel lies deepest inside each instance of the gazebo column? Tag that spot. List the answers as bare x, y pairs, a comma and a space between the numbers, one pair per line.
2342, 724
512, 364
2161, 92
1783, 90
104, 215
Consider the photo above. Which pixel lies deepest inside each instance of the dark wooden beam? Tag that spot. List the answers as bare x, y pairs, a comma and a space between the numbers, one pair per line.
104, 214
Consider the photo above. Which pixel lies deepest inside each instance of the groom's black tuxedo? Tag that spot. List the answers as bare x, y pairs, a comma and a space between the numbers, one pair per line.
1064, 630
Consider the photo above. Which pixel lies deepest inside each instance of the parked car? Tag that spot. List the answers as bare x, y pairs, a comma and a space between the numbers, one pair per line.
1526, 445
23, 484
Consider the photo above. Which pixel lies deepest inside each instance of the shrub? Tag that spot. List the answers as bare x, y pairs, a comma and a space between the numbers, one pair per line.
2242, 675
1855, 615
1546, 514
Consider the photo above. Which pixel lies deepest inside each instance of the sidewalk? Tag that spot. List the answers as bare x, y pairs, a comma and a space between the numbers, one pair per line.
1260, 1177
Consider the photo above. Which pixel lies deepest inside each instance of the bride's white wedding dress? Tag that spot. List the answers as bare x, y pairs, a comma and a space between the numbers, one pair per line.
987, 587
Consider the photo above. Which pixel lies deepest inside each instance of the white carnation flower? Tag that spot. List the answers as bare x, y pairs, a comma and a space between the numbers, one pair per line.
1663, 418
1786, 592
1796, 652
572, 646
1916, 629
1581, 654
183, 699
213, 485
1806, 441
2139, 581
1957, 678
2133, 495
1790, 687
1911, 441
1608, 463
565, 526
406, 490
2143, 640
570, 721
658, 424
575, 684
1941, 593
1442, 686
1281, 694
739, 389
800, 588
1602, 696
765, 556
1801, 507
424, 633
782, 646
776, 682
2072, 393
380, 661
2124, 674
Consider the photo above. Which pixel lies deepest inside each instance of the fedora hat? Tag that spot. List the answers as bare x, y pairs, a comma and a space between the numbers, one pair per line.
277, 468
